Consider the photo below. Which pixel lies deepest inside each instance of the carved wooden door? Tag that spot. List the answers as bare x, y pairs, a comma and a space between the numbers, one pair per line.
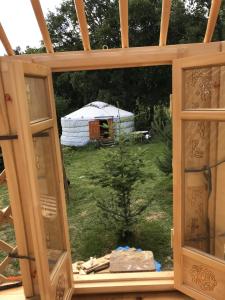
199, 176
94, 130
30, 112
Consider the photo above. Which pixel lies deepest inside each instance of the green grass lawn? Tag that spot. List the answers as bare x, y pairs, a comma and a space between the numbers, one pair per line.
89, 234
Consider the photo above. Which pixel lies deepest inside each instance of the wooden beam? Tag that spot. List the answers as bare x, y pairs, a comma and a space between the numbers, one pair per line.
117, 58
81, 16
42, 25
165, 17
5, 42
213, 15
123, 7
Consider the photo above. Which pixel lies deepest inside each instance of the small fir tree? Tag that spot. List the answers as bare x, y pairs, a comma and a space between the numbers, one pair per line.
120, 174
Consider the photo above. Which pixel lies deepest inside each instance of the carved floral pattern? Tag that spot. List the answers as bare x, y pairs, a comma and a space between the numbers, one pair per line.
60, 288
203, 277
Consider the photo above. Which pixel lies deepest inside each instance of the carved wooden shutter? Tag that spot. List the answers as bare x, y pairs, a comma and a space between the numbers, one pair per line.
199, 176
34, 168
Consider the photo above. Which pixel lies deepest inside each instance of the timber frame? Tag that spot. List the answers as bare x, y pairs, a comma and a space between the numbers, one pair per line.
124, 57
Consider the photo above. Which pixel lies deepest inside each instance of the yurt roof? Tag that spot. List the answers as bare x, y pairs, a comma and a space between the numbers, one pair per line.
98, 110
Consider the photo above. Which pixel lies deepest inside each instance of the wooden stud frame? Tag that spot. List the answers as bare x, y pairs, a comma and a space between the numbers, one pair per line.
5, 41
185, 258
155, 282
42, 25
213, 15
166, 7
81, 16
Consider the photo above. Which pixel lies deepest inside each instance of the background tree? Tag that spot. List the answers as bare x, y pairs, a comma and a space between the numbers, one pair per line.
133, 88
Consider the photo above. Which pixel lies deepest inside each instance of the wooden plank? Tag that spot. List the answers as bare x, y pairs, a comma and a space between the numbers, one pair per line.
12, 294
42, 25
5, 247
165, 18
13, 178
135, 276
177, 166
81, 16
5, 41
135, 296
118, 58
18, 294
220, 203
126, 286
123, 8
213, 15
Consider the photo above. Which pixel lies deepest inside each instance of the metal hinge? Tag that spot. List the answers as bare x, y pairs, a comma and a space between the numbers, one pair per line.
8, 137
16, 255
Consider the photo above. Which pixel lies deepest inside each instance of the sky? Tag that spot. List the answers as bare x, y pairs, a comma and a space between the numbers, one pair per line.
19, 22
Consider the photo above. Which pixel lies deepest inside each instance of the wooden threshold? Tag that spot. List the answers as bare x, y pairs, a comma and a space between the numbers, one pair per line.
124, 282
135, 296
17, 294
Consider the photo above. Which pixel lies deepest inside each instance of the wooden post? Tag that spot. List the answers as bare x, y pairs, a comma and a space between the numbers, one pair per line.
79, 5
123, 8
165, 17
5, 42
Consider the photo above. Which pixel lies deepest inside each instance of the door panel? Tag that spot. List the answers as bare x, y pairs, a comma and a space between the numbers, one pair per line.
32, 117
199, 172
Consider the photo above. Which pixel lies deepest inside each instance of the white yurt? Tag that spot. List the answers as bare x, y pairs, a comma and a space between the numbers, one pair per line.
95, 121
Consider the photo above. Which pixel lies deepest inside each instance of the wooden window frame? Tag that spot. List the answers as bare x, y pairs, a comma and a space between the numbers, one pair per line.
111, 59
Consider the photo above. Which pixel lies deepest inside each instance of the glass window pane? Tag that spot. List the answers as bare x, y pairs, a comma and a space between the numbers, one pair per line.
37, 97
203, 88
49, 195
204, 186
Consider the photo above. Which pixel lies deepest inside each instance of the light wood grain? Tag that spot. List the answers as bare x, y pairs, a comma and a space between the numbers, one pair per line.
119, 58
165, 18
213, 15
81, 16
124, 28
42, 25
5, 41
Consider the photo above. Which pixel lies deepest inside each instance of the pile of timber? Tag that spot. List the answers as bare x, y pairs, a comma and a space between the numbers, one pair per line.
118, 261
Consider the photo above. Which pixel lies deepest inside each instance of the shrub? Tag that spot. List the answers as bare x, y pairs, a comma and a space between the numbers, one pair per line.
121, 172
162, 129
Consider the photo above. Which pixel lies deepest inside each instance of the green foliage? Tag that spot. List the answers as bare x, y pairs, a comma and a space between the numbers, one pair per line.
121, 172
162, 129
90, 233
142, 117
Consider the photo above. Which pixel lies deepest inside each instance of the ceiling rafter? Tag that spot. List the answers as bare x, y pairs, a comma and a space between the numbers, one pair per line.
42, 25
81, 16
123, 8
213, 15
5, 42
165, 18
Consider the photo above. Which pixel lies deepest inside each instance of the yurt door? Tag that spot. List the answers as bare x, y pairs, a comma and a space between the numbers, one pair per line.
199, 174
29, 109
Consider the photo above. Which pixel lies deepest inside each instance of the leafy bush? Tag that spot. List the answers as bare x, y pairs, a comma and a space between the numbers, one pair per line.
162, 129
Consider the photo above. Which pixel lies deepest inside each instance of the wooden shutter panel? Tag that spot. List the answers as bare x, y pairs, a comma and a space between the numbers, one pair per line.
198, 174
94, 130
